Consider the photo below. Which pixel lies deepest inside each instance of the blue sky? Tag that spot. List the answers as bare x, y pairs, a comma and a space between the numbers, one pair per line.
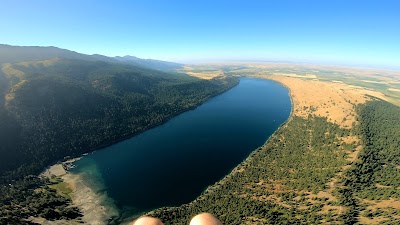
336, 32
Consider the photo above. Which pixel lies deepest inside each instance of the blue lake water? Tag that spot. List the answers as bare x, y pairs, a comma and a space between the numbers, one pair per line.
173, 163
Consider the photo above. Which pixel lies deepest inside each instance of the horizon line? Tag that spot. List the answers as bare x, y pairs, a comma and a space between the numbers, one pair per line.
213, 61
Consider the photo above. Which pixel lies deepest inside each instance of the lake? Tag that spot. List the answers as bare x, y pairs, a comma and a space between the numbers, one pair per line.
174, 163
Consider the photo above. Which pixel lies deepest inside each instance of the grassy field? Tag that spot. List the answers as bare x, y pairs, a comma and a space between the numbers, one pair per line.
62, 189
379, 82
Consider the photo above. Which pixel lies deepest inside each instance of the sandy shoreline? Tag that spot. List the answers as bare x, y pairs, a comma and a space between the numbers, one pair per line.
90, 202
94, 205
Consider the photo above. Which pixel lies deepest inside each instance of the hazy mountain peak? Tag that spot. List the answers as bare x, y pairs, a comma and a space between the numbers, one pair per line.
16, 54
127, 57
149, 63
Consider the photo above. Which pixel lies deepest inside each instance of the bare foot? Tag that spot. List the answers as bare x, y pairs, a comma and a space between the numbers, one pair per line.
146, 220
205, 219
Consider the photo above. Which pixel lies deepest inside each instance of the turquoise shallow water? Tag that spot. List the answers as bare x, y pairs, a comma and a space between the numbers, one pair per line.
173, 163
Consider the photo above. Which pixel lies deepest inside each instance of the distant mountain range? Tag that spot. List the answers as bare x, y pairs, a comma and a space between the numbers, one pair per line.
15, 54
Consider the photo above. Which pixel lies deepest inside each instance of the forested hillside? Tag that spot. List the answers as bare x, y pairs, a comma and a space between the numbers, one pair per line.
375, 177
302, 175
65, 107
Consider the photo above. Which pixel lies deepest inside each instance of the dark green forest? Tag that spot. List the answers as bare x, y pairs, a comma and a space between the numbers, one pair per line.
376, 174
380, 159
60, 108
282, 182
72, 106
32, 196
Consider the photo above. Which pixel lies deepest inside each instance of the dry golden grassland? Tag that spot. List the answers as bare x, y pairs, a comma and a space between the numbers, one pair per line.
381, 83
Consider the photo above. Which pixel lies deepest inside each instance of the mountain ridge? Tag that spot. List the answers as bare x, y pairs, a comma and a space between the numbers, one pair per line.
15, 54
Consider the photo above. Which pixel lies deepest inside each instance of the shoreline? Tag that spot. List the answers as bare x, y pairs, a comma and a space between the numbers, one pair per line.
76, 155
90, 202
237, 168
211, 188
149, 127
93, 204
